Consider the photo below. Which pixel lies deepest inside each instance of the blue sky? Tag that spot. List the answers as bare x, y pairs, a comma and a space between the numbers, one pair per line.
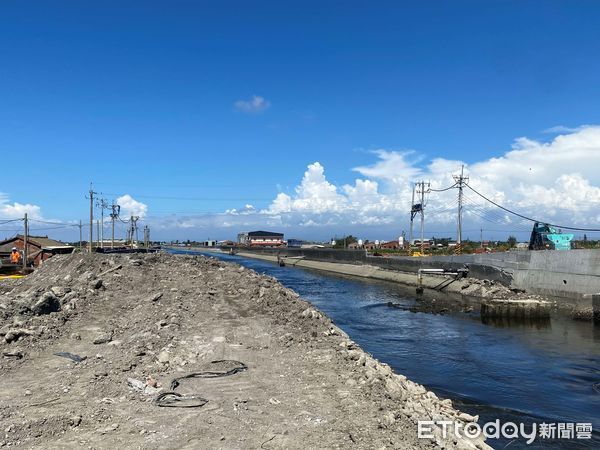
140, 98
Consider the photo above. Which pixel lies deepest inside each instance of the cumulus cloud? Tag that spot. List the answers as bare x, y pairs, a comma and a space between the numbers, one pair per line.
555, 181
314, 194
255, 105
393, 166
17, 210
131, 207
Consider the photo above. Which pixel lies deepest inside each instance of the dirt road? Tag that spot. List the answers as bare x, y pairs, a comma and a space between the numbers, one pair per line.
137, 322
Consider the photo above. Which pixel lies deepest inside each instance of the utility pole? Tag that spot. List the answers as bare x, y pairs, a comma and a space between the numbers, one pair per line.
98, 230
413, 213
146, 236
80, 235
461, 181
91, 218
419, 208
116, 210
25, 236
423, 192
102, 204
133, 231
481, 237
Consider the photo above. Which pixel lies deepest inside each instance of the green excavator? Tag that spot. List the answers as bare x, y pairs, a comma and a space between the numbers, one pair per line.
547, 237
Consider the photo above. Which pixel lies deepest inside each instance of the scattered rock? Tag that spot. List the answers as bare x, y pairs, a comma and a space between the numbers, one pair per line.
12, 354
467, 417
103, 338
152, 382
388, 419
47, 304
108, 429
136, 384
154, 297
15, 333
75, 421
163, 357
96, 284
59, 291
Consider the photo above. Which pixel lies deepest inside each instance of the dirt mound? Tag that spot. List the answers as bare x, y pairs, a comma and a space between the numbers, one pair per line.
93, 344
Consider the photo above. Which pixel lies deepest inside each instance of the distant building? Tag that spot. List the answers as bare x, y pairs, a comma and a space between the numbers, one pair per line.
39, 248
370, 245
417, 243
294, 243
391, 245
261, 238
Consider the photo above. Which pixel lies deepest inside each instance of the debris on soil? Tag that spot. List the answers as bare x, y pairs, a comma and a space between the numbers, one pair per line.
71, 356
156, 320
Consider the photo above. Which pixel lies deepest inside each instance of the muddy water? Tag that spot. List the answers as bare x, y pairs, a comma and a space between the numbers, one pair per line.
519, 372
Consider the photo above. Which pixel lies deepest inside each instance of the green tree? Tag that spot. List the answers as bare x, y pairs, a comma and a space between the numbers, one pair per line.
512, 241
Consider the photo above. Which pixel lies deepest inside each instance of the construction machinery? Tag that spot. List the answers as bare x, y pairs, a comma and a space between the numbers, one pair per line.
547, 237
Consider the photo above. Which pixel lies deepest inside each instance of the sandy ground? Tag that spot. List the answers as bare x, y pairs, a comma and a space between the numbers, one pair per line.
157, 317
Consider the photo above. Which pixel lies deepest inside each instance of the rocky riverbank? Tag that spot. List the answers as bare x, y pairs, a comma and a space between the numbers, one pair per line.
92, 345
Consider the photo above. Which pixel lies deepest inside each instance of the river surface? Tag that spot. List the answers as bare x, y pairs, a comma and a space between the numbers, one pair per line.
531, 373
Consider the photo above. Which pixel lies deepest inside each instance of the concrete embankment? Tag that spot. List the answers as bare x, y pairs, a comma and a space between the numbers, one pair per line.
565, 277
95, 346
499, 297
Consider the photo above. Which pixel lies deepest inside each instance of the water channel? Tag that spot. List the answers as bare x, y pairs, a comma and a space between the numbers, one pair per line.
524, 372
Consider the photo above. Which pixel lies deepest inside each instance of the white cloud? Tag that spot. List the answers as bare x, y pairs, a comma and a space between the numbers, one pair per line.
556, 181
255, 105
247, 209
393, 166
131, 207
17, 210
561, 129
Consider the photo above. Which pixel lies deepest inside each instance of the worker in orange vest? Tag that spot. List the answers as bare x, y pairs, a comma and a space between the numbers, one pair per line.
15, 256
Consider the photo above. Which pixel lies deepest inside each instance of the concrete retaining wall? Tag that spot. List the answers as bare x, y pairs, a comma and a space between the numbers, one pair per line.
569, 274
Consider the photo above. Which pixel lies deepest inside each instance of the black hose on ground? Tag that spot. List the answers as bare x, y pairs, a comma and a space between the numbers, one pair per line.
172, 399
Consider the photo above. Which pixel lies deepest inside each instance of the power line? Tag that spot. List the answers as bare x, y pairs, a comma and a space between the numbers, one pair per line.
228, 199
529, 218
487, 214
445, 189
65, 224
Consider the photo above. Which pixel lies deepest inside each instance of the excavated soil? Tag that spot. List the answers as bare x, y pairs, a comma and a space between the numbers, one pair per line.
89, 342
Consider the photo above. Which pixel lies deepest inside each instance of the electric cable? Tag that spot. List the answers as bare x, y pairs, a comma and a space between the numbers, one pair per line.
529, 218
